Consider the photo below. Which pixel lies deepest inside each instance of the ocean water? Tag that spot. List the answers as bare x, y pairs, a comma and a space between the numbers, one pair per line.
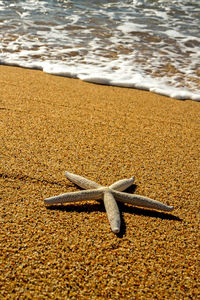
146, 44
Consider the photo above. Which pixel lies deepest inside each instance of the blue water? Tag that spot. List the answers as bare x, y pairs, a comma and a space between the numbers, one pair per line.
151, 45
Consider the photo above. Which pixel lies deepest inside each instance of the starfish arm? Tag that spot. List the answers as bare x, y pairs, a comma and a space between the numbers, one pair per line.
75, 197
141, 201
112, 211
122, 184
82, 182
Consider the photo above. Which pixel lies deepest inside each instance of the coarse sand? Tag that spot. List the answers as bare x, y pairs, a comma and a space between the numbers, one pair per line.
50, 124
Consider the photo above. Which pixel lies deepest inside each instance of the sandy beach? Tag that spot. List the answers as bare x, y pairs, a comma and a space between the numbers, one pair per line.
51, 124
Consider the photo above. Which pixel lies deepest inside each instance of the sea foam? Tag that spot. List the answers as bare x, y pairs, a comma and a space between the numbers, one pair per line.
151, 45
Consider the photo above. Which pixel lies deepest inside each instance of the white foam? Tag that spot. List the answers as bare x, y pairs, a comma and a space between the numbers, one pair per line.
130, 27
152, 45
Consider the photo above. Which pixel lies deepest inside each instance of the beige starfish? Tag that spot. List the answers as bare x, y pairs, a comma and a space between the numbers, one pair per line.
109, 195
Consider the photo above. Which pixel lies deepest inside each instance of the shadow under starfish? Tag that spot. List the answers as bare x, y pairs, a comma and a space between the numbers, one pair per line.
109, 195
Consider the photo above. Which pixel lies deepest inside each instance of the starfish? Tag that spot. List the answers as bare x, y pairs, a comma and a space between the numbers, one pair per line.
109, 195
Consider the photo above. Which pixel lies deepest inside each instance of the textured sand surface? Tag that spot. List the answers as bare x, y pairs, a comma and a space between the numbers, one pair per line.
51, 124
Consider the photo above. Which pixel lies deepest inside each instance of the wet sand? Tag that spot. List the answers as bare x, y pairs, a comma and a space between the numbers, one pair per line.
50, 124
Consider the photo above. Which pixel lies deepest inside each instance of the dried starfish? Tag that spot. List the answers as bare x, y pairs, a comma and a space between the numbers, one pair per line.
109, 195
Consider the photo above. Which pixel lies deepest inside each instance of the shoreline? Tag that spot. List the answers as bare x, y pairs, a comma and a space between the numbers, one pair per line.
51, 124
161, 89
